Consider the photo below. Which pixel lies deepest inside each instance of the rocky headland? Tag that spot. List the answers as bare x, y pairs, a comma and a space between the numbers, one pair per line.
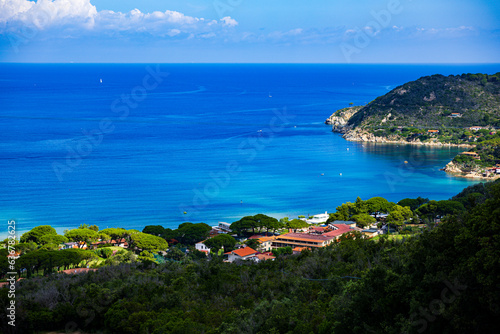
460, 111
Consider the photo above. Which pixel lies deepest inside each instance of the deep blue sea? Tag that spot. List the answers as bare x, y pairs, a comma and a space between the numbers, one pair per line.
130, 145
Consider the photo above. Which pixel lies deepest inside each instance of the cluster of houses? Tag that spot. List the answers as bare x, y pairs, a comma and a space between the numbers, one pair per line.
309, 237
472, 128
494, 171
299, 239
244, 252
83, 245
491, 129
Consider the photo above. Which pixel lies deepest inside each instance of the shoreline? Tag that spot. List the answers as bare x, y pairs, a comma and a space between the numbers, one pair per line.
339, 123
473, 176
365, 137
402, 142
353, 135
454, 170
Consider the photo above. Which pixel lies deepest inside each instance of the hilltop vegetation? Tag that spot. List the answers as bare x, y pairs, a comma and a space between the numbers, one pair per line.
430, 101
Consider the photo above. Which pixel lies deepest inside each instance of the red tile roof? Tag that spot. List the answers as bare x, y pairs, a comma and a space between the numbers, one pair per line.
305, 237
264, 257
341, 229
244, 251
77, 271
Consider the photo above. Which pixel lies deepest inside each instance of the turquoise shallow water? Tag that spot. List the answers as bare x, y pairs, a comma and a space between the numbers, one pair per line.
215, 141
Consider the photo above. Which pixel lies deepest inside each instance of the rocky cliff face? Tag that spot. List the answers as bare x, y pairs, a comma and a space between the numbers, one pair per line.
451, 167
339, 119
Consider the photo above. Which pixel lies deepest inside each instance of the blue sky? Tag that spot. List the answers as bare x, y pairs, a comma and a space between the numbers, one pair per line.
243, 31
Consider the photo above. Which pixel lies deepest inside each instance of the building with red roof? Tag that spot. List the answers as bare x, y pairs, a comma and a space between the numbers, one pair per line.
311, 240
245, 253
265, 257
77, 271
202, 247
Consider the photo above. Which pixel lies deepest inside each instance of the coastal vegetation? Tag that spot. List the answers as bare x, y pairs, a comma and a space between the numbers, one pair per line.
437, 278
360, 212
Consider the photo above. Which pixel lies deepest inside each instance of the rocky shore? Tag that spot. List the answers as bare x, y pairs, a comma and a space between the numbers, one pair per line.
456, 170
360, 135
339, 122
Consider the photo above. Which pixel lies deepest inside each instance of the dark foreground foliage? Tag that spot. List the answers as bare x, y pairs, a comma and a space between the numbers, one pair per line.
445, 280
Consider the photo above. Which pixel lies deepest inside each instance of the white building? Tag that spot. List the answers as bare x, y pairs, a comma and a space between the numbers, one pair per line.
202, 247
245, 253
224, 226
318, 219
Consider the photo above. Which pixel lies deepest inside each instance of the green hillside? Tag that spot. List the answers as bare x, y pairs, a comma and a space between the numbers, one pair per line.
430, 101
434, 110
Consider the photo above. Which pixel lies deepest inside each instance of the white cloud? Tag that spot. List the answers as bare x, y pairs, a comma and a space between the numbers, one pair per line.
228, 21
80, 16
285, 34
46, 13
399, 32
209, 35
297, 31
453, 32
173, 32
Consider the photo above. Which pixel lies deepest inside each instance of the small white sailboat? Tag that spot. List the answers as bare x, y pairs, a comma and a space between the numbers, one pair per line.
270, 95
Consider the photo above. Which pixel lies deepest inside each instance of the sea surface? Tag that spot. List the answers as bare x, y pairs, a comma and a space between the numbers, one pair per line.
133, 145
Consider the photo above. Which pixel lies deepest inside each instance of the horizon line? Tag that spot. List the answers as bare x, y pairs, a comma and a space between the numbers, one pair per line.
255, 63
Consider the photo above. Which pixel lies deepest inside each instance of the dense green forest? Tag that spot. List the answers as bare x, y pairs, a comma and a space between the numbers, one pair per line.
430, 101
445, 279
